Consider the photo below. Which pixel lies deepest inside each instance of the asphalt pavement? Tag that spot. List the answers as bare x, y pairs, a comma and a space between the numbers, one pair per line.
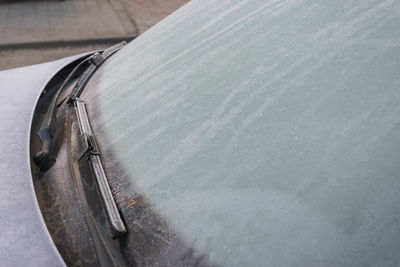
34, 23
36, 31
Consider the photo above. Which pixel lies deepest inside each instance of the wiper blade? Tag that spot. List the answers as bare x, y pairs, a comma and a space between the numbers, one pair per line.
90, 157
95, 62
44, 159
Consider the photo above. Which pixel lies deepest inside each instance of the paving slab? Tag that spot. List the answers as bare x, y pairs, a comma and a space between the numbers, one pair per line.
146, 13
35, 23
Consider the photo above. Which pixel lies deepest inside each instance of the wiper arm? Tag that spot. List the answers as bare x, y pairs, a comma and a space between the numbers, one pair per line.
95, 62
44, 159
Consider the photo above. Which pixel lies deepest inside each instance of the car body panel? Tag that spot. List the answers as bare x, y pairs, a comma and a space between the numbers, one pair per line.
24, 238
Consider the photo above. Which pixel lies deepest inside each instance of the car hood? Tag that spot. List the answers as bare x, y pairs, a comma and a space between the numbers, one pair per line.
24, 238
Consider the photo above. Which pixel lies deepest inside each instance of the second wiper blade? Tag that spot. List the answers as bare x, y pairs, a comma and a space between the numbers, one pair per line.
91, 158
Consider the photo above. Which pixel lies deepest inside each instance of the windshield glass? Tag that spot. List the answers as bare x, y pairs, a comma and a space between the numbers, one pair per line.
265, 132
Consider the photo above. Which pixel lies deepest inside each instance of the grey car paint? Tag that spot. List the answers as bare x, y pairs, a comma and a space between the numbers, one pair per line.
24, 239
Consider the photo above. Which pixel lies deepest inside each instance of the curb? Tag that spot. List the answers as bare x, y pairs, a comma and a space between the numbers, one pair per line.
63, 43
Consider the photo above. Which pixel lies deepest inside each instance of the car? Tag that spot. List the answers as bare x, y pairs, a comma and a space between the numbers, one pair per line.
232, 133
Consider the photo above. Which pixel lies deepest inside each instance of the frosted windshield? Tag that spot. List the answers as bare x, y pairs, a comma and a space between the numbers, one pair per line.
267, 133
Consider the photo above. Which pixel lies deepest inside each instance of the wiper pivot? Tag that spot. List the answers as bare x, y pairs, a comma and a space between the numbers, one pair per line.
44, 158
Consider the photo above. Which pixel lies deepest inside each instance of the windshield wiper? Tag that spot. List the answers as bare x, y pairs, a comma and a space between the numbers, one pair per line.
45, 158
89, 165
96, 61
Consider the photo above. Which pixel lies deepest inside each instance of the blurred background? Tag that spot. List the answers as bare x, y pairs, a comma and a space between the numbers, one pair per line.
37, 31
